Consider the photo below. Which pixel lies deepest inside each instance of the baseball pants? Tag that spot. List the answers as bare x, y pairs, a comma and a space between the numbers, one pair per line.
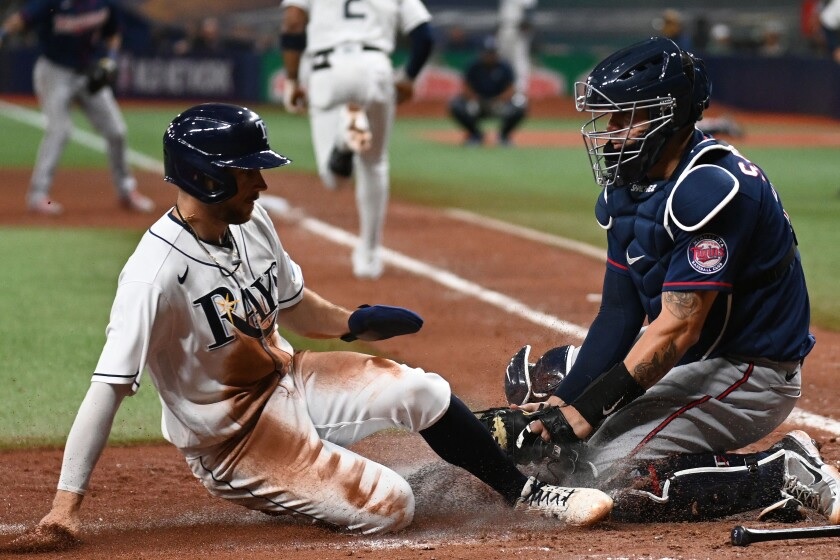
714, 405
294, 460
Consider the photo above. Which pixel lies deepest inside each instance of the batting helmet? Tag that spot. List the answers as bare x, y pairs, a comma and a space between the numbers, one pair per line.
200, 143
668, 86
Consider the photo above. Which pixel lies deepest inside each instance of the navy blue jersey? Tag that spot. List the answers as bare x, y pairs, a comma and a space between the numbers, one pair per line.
717, 224
489, 80
71, 32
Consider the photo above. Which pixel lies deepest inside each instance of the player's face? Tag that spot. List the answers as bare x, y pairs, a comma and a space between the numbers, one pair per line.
238, 209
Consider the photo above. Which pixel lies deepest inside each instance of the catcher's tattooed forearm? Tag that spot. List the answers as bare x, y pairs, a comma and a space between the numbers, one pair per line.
681, 305
648, 373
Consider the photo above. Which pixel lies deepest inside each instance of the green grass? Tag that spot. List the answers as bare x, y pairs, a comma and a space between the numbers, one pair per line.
53, 334
60, 298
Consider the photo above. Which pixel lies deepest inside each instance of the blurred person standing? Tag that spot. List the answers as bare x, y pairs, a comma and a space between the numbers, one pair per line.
830, 23
488, 91
80, 41
337, 61
516, 32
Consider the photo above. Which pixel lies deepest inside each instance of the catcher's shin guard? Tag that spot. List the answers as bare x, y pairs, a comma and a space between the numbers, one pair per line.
700, 487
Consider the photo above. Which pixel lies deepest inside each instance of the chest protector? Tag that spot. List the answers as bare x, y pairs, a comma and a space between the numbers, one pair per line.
640, 222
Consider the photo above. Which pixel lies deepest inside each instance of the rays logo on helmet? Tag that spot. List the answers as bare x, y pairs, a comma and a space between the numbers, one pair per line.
707, 253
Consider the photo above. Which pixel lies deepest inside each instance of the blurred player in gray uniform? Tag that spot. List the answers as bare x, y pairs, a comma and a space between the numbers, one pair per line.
699, 246
261, 424
337, 61
79, 41
516, 31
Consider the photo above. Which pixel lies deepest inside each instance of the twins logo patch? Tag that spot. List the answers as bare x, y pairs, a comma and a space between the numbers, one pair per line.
707, 253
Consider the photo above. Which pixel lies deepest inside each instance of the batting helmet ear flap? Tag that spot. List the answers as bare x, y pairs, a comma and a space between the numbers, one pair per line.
191, 172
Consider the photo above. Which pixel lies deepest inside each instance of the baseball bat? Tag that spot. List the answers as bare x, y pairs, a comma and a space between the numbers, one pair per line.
743, 536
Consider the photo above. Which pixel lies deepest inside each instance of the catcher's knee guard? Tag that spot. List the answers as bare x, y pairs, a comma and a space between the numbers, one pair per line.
697, 488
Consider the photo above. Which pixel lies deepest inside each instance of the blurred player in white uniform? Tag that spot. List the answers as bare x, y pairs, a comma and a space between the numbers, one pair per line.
337, 61
516, 31
260, 424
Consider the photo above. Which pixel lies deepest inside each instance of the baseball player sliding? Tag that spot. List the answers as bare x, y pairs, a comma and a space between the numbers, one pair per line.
700, 247
260, 423
79, 41
337, 61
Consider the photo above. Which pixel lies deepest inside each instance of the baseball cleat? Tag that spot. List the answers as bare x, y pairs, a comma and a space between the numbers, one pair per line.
136, 202
575, 506
44, 206
367, 264
341, 162
809, 479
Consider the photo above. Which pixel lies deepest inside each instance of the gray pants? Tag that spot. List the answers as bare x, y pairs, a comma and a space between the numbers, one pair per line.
711, 406
58, 88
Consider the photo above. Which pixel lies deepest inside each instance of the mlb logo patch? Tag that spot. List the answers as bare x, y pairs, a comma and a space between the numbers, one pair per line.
707, 253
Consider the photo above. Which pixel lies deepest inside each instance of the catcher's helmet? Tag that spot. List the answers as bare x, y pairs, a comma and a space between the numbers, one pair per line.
668, 86
204, 140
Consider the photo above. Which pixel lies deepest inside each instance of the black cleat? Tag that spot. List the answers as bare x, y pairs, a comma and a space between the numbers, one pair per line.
341, 162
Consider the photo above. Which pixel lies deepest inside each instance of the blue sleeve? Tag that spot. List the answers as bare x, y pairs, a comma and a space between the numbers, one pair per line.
610, 337
421, 43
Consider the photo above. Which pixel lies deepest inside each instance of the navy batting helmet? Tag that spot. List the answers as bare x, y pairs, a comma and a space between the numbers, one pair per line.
204, 140
659, 86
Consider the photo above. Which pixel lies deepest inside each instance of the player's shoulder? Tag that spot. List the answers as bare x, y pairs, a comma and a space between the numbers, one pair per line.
700, 194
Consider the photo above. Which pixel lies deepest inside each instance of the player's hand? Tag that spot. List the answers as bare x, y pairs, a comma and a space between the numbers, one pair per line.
57, 531
294, 98
404, 90
572, 416
103, 73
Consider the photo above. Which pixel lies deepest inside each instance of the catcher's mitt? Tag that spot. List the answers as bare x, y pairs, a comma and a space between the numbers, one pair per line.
101, 73
510, 428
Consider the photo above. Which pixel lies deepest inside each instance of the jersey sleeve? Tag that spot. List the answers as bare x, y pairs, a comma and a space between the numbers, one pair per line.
706, 259
131, 328
412, 14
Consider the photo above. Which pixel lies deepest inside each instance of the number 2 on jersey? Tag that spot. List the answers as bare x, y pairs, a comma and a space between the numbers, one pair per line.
348, 12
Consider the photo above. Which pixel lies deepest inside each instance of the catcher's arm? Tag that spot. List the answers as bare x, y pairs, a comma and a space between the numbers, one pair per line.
664, 342
87, 438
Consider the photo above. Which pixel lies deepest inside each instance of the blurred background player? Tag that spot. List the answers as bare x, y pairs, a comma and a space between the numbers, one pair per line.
516, 32
80, 41
488, 91
337, 61
829, 18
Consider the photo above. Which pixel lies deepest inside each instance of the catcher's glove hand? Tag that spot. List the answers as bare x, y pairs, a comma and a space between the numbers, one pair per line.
510, 428
102, 73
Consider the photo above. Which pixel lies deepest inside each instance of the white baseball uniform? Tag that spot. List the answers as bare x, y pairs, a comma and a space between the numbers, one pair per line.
514, 42
259, 425
347, 60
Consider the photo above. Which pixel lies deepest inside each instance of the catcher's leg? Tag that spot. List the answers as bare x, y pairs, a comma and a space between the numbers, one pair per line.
704, 407
700, 487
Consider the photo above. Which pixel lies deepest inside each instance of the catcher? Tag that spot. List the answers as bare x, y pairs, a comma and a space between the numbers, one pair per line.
701, 250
